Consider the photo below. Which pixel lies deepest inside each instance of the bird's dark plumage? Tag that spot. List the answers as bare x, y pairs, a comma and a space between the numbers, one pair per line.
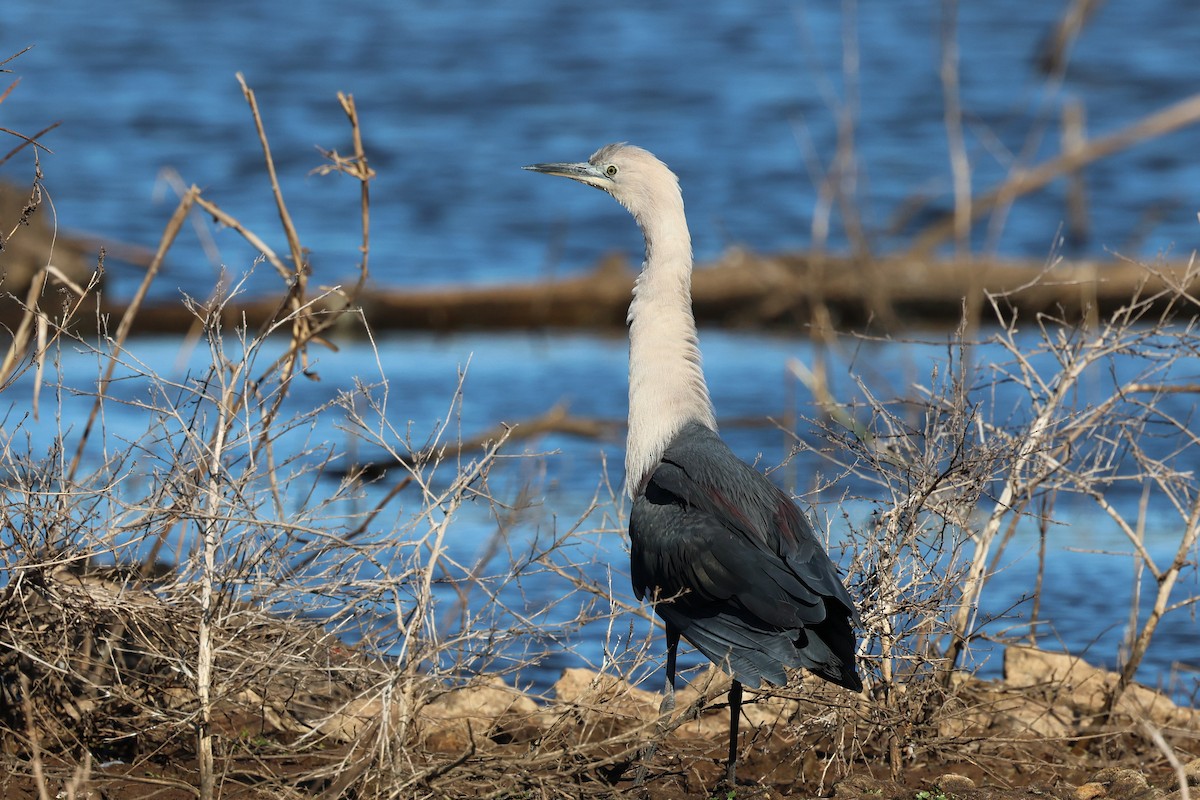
736, 567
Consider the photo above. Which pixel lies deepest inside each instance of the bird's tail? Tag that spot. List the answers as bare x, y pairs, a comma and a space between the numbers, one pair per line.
840, 674
828, 651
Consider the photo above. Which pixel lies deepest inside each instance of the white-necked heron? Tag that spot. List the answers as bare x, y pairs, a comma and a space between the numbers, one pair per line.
730, 562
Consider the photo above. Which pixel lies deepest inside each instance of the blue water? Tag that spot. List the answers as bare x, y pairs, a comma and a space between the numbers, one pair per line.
454, 97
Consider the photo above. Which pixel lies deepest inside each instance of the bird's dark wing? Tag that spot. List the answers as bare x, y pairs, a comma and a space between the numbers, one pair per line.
743, 576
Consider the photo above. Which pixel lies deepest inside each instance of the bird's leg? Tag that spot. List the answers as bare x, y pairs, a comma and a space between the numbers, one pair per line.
665, 707
735, 713
668, 701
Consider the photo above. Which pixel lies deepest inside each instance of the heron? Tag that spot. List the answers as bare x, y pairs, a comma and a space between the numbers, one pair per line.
730, 562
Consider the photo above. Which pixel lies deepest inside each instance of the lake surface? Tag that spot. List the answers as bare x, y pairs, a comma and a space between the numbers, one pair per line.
454, 97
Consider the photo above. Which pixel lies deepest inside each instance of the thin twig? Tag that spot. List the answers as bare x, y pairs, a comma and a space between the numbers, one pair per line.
126, 324
1176, 116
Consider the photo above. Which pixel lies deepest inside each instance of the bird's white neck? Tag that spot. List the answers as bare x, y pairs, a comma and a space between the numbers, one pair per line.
666, 382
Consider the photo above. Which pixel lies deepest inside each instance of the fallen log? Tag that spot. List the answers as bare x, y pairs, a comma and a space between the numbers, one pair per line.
746, 290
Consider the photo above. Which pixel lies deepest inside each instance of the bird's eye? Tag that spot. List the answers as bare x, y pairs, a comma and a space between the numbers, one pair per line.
610, 170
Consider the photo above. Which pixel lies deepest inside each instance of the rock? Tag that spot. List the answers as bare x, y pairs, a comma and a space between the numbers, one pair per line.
349, 722
999, 709
710, 723
952, 783
588, 687
1030, 667
1117, 783
274, 717
1191, 771
602, 705
489, 710
1084, 689
1191, 774
1029, 716
449, 723
769, 710
611, 704
862, 787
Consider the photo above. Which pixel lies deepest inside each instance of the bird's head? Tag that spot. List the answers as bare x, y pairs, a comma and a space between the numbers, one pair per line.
638, 180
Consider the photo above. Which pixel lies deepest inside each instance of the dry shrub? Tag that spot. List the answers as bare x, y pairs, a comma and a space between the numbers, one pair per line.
1037, 416
187, 596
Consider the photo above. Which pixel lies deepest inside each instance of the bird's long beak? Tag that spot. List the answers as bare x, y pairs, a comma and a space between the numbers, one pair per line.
582, 172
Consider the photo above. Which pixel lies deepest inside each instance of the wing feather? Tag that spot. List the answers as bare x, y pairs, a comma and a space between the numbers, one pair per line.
736, 567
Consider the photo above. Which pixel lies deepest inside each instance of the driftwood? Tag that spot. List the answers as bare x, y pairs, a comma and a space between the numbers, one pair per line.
747, 290
557, 420
741, 289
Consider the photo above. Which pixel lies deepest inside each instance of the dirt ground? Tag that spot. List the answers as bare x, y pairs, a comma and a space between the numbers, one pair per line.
597, 758
773, 770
